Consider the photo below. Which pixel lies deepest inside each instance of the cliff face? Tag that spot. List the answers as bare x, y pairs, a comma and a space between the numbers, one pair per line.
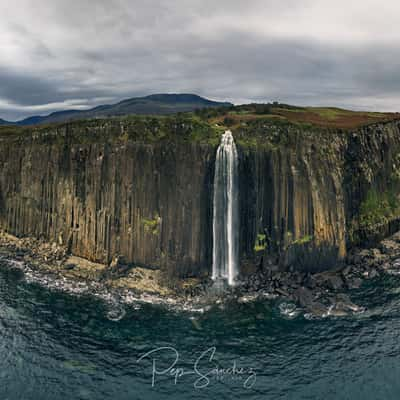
293, 196
150, 203
103, 189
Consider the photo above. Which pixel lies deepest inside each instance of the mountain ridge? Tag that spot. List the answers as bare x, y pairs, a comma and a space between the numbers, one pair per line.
154, 104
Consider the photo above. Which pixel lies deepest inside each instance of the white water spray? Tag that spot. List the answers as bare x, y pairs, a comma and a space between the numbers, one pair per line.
226, 212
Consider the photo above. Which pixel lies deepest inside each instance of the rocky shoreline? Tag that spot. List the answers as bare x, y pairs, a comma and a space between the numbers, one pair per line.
50, 265
327, 293
319, 294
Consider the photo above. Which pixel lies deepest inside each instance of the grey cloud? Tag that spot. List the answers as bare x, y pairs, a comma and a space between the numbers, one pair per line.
85, 50
26, 90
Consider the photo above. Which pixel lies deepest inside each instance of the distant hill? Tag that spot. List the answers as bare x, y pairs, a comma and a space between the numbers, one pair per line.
155, 104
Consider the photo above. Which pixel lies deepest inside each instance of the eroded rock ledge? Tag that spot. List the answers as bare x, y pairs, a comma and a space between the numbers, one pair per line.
320, 294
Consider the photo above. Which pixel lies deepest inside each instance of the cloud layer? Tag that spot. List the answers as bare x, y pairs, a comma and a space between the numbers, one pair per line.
59, 54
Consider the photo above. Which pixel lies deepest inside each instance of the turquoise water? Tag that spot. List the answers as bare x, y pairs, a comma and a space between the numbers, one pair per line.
56, 346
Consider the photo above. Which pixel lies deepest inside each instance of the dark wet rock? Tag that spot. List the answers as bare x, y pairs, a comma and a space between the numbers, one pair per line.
276, 284
335, 282
363, 254
346, 271
282, 292
337, 311
387, 265
343, 305
354, 259
354, 283
316, 308
118, 267
116, 314
396, 237
375, 253
298, 278
303, 296
310, 282
117, 262
389, 247
270, 266
376, 258
331, 280
21, 253
373, 273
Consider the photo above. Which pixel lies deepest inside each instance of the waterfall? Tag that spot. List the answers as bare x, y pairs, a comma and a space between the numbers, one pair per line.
226, 212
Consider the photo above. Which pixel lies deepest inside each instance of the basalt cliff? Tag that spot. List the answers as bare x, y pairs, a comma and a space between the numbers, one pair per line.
141, 187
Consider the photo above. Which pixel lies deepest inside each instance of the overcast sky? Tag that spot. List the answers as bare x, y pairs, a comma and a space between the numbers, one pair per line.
60, 54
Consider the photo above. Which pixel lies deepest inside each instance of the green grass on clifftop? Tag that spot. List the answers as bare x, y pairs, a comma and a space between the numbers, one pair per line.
184, 127
250, 123
327, 117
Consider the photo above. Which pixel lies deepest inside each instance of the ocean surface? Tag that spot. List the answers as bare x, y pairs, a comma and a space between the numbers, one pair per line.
58, 346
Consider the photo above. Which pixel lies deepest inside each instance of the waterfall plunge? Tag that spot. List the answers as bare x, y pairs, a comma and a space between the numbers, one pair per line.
226, 212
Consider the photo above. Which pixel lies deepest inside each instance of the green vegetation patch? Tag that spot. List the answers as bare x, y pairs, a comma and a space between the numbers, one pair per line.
181, 127
303, 240
378, 208
261, 243
152, 225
